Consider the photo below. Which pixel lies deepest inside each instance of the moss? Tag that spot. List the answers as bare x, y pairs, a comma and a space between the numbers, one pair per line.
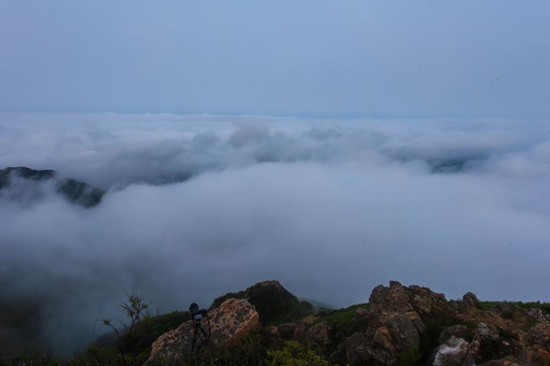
342, 317
411, 357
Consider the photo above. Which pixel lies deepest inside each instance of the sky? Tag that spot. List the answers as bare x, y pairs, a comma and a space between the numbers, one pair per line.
198, 206
354, 58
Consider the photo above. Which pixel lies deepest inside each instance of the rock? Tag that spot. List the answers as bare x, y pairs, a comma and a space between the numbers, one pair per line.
535, 356
538, 315
470, 300
537, 352
425, 301
318, 335
393, 328
292, 331
487, 332
357, 349
540, 335
458, 331
393, 298
361, 313
454, 352
300, 333
230, 321
503, 362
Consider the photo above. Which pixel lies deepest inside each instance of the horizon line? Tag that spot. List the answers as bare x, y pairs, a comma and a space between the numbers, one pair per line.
351, 116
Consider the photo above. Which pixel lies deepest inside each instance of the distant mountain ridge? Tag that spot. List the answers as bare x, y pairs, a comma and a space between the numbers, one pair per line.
18, 183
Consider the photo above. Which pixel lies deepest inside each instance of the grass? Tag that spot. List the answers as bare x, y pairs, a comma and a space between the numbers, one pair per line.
342, 317
489, 305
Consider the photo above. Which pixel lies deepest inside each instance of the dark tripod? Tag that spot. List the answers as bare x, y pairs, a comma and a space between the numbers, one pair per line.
201, 338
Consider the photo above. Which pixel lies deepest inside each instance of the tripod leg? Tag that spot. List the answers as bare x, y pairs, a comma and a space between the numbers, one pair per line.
203, 339
194, 343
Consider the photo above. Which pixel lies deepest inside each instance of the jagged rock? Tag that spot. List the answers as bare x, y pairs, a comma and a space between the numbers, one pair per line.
233, 319
300, 333
361, 313
540, 335
425, 301
537, 352
458, 331
318, 335
470, 300
535, 356
487, 332
455, 352
357, 349
538, 315
393, 328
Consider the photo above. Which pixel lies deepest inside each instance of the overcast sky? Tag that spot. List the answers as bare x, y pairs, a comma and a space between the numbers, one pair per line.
400, 58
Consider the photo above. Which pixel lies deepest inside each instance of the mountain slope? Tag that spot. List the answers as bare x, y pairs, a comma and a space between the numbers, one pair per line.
28, 185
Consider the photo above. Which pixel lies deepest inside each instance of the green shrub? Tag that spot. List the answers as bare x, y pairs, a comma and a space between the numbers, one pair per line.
294, 354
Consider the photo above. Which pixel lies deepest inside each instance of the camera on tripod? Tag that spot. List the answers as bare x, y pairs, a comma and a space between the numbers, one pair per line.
200, 336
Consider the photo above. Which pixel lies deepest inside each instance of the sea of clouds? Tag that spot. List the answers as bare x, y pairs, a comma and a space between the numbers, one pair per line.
201, 205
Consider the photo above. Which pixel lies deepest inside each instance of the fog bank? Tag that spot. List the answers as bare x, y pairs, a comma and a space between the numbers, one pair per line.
201, 205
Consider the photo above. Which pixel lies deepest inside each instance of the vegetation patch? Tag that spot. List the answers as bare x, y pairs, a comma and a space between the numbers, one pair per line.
294, 354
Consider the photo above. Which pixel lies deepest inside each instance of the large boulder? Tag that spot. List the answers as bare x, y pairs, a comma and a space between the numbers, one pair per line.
230, 321
395, 324
455, 352
470, 300
537, 352
394, 327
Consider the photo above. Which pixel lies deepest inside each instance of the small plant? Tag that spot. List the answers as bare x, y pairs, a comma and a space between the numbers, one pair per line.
136, 308
294, 354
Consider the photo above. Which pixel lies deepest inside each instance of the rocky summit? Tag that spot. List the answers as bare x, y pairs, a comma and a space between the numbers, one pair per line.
398, 326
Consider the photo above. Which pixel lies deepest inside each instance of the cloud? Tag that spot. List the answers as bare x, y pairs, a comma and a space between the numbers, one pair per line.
201, 205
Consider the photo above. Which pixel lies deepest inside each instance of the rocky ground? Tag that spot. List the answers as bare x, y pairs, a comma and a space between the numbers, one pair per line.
399, 326
267, 325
